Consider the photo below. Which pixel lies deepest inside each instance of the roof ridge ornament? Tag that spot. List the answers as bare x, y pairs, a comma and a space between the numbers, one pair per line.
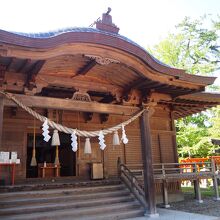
105, 24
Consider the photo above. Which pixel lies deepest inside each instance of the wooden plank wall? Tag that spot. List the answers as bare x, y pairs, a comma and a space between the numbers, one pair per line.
163, 146
16, 127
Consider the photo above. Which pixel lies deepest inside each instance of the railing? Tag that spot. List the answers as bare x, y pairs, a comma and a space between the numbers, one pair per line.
184, 170
131, 182
132, 175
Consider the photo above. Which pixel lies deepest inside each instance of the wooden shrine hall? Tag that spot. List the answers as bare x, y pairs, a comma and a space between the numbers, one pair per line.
83, 81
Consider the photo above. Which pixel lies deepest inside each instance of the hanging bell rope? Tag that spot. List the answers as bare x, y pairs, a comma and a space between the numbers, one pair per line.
67, 130
33, 159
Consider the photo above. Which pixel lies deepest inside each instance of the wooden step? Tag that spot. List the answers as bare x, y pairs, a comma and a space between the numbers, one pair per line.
43, 207
77, 212
59, 191
111, 201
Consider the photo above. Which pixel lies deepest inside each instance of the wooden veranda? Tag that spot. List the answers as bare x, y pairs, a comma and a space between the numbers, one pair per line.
133, 175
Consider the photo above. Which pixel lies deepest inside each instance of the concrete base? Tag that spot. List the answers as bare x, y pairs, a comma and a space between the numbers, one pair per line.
199, 201
165, 206
148, 215
216, 199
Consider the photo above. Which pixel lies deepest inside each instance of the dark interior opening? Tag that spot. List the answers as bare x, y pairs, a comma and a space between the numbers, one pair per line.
46, 152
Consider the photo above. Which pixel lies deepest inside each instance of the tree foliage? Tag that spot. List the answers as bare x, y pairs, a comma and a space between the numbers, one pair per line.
195, 48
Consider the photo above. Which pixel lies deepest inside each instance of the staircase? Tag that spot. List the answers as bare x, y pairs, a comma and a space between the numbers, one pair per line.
104, 202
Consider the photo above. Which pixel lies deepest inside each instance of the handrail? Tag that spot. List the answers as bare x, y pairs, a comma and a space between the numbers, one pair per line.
131, 182
197, 168
181, 170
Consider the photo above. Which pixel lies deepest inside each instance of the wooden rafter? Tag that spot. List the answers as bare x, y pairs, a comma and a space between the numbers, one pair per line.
185, 104
134, 84
85, 69
141, 82
32, 73
23, 65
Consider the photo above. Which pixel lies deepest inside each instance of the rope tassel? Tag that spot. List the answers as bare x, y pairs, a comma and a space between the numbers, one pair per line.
55, 139
87, 149
33, 159
115, 140
56, 142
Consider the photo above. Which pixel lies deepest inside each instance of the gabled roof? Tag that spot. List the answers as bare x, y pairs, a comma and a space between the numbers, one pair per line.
91, 35
133, 67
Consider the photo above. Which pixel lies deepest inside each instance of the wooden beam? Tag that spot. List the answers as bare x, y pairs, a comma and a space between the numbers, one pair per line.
150, 193
32, 73
1, 119
85, 69
77, 84
71, 105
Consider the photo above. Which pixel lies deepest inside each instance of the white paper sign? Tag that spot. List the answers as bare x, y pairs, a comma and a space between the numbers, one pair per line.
14, 157
4, 157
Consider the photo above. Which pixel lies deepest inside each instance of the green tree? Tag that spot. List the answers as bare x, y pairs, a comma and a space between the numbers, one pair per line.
193, 48
196, 49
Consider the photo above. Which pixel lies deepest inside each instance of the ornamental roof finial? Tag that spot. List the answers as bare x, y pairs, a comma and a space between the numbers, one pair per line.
106, 23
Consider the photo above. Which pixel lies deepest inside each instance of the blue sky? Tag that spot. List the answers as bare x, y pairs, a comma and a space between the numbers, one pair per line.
143, 21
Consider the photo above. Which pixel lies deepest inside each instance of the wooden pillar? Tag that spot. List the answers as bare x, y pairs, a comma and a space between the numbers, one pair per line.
215, 185
149, 186
1, 119
197, 186
165, 190
165, 195
197, 191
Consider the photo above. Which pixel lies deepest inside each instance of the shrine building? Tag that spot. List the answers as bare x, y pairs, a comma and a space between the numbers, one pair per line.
102, 101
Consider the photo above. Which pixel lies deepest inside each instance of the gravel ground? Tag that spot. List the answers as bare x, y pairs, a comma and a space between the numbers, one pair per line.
208, 207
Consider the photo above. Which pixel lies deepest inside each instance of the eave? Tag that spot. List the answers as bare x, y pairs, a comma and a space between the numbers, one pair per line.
51, 40
190, 104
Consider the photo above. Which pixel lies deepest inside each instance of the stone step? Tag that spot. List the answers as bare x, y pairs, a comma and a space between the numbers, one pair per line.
60, 191
80, 213
32, 208
62, 198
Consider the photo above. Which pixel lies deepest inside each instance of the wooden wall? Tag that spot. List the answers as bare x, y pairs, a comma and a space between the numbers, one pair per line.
164, 142
17, 125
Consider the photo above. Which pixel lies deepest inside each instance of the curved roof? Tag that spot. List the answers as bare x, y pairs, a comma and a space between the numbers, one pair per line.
95, 36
